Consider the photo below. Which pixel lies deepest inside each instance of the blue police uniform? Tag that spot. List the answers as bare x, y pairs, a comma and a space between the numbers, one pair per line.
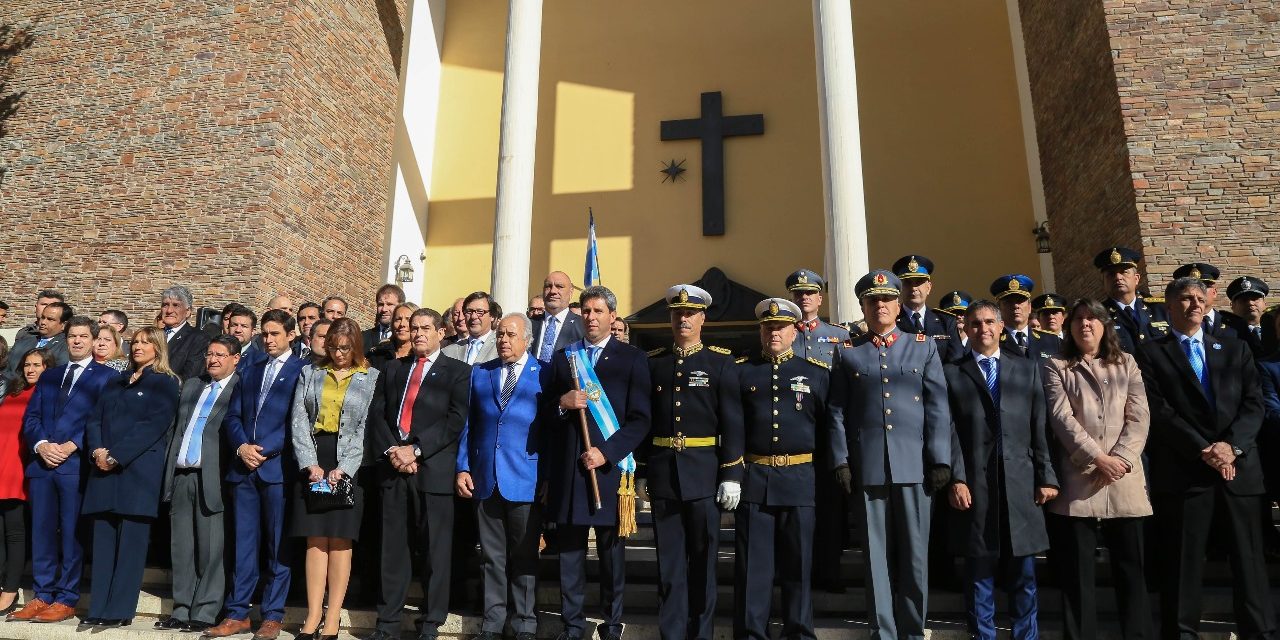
1146, 317
940, 328
1032, 343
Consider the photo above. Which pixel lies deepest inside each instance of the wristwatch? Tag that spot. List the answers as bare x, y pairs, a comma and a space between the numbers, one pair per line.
1236, 451
110, 460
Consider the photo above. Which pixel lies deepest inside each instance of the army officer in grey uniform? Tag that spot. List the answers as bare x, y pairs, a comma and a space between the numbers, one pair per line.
784, 406
891, 427
817, 338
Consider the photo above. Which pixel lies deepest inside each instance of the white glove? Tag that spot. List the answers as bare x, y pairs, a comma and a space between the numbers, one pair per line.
729, 495
642, 489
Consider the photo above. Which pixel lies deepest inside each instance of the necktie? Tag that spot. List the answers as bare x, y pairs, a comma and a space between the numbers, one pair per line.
1207, 323
267, 378
548, 340
594, 352
991, 371
411, 395
472, 348
1020, 338
168, 333
197, 433
67, 383
509, 386
1257, 331
919, 322
1191, 347
1133, 315
42, 342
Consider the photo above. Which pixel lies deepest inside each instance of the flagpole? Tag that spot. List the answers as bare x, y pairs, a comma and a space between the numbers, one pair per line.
586, 433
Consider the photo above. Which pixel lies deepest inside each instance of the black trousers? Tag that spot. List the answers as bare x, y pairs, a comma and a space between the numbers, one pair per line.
119, 559
1073, 542
1185, 521
14, 561
573, 577
413, 519
773, 539
688, 539
831, 531
508, 533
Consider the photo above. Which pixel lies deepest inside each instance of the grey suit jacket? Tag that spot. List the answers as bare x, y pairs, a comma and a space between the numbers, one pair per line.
351, 427
24, 342
488, 351
212, 457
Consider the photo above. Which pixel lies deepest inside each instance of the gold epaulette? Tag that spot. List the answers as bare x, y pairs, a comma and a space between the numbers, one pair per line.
819, 363
732, 464
721, 350
1159, 300
741, 360
1036, 332
656, 352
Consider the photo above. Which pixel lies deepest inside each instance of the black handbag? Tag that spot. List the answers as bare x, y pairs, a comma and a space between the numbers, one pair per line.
336, 497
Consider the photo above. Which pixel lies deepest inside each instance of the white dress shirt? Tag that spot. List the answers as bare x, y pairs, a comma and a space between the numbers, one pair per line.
195, 416
502, 380
560, 320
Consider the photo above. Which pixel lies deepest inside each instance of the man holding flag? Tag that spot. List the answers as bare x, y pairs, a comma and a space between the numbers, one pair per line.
603, 389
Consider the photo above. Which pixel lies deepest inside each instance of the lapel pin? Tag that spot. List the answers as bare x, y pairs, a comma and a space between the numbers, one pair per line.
1217, 345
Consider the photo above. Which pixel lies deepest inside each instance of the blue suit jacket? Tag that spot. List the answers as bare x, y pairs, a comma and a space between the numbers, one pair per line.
252, 357
132, 422
268, 428
500, 448
43, 421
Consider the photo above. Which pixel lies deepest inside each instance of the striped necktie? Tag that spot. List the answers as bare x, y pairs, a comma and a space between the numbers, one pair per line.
508, 386
991, 371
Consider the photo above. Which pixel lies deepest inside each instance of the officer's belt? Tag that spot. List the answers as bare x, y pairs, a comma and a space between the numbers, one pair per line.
680, 443
783, 460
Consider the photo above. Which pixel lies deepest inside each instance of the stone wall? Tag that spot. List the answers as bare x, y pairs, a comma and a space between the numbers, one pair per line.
239, 147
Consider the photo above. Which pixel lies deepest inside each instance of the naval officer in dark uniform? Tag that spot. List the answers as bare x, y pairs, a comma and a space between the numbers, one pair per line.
954, 304
1216, 323
891, 431
1013, 292
1248, 296
1137, 319
784, 404
819, 340
916, 274
1050, 309
694, 461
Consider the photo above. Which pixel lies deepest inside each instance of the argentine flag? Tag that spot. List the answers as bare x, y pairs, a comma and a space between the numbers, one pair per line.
592, 276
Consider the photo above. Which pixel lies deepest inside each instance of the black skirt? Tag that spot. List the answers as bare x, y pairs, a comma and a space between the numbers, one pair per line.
338, 523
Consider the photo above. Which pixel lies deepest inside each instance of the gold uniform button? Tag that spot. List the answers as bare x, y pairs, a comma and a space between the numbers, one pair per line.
884, 366
775, 387
917, 398
775, 398
775, 376
888, 412
752, 388
679, 433
888, 427
884, 380
677, 418
775, 412
677, 403
775, 425
886, 394
775, 438
679, 361
679, 374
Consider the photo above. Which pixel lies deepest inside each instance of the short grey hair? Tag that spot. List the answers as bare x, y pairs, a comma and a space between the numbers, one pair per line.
603, 293
1177, 287
524, 322
179, 293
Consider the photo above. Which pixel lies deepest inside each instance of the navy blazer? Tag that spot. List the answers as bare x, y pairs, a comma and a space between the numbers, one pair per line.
268, 428
132, 422
624, 374
43, 420
501, 447
187, 349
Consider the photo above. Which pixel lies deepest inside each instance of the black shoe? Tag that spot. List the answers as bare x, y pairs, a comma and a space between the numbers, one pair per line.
195, 626
608, 635
429, 635
87, 624
489, 635
378, 635
525, 635
115, 622
565, 636
170, 623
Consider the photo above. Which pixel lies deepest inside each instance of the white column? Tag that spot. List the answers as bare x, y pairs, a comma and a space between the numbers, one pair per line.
514, 217
846, 211
1030, 142
415, 141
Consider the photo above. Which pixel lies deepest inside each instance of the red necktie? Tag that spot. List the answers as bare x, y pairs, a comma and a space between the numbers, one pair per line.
411, 394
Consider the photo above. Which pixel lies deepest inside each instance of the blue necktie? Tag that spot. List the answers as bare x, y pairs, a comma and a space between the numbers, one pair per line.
67, 383
548, 340
509, 386
1191, 347
991, 370
197, 433
267, 379
42, 342
594, 352
472, 348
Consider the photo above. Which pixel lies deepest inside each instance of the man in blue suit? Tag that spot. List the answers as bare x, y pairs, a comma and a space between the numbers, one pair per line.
257, 428
498, 458
53, 429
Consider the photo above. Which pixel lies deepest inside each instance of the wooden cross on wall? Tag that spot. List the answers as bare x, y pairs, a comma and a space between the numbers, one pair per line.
712, 128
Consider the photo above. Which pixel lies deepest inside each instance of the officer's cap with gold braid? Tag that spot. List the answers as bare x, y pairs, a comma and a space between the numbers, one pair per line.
878, 283
1207, 273
1049, 302
1014, 284
687, 296
913, 268
777, 310
805, 280
1247, 286
1116, 258
954, 302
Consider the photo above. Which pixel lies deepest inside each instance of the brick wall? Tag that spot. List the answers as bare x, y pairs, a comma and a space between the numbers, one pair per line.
1157, 122
241, 148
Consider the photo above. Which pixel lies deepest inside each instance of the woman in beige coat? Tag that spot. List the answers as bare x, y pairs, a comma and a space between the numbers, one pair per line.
1099, 418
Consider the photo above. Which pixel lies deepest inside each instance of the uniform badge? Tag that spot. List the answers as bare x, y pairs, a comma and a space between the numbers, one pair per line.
1195, 273
1115, 256
593, 391
798, 386
1246, 285
1014, 285
920, 337
803, 279
699, 379
955, 300
773, 309
913, 266
880, 279
684, 295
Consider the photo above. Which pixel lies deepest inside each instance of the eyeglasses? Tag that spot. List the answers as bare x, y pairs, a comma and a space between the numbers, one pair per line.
474, 312
220, 356
345, 348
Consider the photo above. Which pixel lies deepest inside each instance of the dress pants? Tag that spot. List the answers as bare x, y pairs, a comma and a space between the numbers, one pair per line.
258, 511
412, 518
895, 520
14, 560
199, 581
508, 533
56, 555
119, 559
1185, 521
687, 533
830, 532
1017, 574
1073, 545
573, 577
769, 540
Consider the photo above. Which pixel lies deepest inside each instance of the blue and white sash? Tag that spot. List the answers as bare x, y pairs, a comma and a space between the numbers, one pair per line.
602, 412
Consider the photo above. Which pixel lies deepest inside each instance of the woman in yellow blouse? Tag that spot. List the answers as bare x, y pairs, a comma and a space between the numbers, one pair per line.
330, 406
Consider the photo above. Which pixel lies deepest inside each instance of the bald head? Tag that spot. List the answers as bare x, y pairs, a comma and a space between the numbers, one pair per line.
282, 302
557, 290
